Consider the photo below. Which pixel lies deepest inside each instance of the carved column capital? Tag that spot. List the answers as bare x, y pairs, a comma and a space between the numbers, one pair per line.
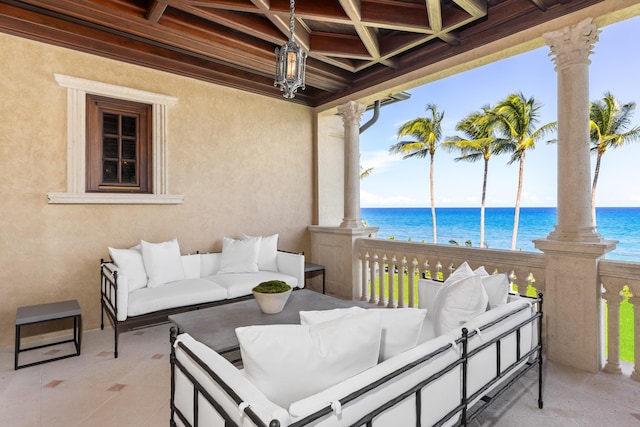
572, 45
351, 112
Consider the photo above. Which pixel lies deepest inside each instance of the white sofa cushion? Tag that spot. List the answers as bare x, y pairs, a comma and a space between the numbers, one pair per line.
460, 298
401, 327
241, 284
291, 362
130, 264
267, 257
240, 256
177, 294
162, 262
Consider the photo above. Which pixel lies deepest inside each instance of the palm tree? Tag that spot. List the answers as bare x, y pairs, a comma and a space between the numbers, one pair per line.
426, 133
479, 143
365, 172
608, 123
515, 119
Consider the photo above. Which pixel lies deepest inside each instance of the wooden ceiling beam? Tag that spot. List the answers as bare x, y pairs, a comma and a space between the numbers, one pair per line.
434, 14
368, 35
248, 24
475, 8
540, 5
156, 9
219, 5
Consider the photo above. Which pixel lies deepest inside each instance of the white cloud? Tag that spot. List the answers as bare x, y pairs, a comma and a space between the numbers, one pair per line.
379, 160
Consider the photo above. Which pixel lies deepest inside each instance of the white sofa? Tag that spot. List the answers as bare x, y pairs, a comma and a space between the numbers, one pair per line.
130, 300
446, 380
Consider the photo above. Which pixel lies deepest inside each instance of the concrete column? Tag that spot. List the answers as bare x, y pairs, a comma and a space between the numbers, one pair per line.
351, 113
573, 303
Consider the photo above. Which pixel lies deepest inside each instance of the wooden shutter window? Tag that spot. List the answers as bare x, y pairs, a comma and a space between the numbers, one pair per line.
118, 146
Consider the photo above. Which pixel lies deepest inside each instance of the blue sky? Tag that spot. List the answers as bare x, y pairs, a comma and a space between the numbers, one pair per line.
615, 65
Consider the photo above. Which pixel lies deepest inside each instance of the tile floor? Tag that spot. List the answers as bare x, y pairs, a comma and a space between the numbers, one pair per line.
97, 390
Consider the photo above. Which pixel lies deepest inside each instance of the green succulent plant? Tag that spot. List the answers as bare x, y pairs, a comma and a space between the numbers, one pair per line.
272, 287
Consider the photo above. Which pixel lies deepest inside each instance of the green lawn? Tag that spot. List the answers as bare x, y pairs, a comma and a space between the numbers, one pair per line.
626, 313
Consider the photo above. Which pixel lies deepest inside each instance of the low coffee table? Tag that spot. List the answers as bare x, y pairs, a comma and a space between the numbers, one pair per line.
216, 326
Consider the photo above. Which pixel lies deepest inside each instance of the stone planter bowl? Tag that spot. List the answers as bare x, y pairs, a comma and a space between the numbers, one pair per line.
271, 303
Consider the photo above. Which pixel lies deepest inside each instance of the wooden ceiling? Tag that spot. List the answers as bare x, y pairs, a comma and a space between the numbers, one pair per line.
352, 44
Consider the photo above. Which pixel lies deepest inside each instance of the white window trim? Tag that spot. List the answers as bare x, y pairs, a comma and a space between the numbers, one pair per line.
77, 90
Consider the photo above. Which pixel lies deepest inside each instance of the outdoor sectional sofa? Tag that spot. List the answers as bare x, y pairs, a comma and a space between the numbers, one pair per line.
448, 378
143, 285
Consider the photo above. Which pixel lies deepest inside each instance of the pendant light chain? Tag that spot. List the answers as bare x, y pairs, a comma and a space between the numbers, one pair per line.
291, 18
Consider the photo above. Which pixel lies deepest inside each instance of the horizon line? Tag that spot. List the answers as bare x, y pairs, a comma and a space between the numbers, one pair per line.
486, 207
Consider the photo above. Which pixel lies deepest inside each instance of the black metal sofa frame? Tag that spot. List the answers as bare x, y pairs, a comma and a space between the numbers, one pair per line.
109, 293
466, 412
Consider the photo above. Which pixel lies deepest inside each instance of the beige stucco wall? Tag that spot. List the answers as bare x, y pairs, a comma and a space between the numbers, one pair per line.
243, 163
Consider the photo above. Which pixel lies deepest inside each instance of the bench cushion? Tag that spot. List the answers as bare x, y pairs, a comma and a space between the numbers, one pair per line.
240, 284
175, 294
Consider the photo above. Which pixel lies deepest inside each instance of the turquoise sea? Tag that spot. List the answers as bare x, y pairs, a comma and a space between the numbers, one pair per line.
462, 224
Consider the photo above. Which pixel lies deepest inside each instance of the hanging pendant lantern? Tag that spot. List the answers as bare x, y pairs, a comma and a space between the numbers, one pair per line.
290, 63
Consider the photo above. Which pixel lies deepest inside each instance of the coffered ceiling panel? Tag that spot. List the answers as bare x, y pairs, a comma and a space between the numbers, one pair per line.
352, 44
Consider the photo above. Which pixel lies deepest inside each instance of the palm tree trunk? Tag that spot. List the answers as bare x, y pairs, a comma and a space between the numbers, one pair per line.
433, 201
593, 189
516, 216
484, 195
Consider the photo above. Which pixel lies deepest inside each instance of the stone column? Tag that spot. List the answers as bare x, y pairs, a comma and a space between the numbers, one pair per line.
351, 113
573, 309
571, 48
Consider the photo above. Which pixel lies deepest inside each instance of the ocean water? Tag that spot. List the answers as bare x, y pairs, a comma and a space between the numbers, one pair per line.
462, 224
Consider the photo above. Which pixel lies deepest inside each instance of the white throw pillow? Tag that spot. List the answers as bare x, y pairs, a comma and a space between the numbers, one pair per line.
162, 262
268, 255
496, 285
291, 362
460, 298
130, 263
240, 256
480, 271
427, 292
497, 288
191, 266
401, 327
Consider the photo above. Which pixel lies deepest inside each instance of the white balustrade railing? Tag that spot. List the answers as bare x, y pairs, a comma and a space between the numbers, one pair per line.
390, 268
615, 276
